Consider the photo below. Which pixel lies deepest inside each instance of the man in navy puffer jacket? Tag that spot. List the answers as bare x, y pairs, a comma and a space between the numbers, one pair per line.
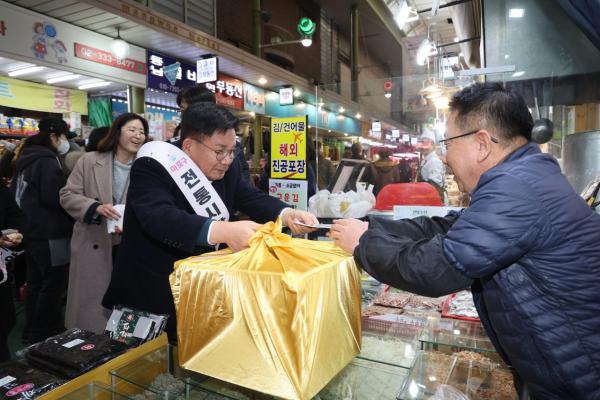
527, 245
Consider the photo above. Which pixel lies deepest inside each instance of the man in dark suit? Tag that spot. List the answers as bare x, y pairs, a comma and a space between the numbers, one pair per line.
161, 227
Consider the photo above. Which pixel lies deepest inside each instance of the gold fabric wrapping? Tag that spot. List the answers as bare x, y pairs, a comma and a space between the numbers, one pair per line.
281, 317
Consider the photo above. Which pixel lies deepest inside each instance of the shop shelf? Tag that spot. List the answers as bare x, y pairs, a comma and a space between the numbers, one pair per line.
477, 379
157, 375
94, 391
365, 380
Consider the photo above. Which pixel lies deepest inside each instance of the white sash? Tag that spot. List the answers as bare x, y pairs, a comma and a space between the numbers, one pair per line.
192, 182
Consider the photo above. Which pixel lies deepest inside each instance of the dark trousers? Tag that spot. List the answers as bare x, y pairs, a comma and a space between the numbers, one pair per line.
45, 287
7, 318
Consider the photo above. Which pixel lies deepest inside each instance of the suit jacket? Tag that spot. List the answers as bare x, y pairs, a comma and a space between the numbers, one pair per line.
88, 186
160, 227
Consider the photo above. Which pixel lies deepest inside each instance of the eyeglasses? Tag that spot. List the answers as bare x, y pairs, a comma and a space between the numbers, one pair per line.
444, 142
219, 154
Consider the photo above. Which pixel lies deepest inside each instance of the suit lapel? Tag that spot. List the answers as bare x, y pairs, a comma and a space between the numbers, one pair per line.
103, 175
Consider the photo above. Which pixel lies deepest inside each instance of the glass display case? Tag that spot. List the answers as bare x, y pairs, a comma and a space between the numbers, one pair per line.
391, 339
157, 375
365, 380
478, 378
94, 391
452, 334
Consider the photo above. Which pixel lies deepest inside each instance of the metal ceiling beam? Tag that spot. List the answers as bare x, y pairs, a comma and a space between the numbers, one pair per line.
385, 15
452, 3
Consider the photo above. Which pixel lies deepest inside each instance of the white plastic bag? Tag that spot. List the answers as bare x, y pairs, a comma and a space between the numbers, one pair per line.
342, 204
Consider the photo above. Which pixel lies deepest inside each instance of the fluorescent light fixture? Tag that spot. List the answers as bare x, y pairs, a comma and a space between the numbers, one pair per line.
306, 41
405, 15
93, 85
516, 13
63, 78
297, 93
358, 116
25, 71
262, 80
518, 73
388, 95
342, 109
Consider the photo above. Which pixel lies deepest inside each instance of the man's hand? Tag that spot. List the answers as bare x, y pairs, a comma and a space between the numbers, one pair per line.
291, 217
11, 240
234, 234
347, 233
108, 211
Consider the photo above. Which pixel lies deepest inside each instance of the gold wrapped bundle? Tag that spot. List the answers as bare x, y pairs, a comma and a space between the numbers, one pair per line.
281, 317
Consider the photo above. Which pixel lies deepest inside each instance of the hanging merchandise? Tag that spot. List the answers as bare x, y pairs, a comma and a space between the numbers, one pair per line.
73, 352
19, 381
267, 318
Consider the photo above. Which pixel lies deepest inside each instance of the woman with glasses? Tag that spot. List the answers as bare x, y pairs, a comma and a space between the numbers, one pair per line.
99, 182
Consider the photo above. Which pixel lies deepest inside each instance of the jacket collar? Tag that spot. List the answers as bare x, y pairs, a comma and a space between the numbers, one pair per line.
526, 150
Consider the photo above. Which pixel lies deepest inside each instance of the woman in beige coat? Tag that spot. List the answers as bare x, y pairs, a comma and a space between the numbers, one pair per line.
98, 181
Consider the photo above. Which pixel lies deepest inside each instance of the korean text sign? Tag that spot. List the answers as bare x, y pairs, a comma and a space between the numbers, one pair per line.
168, 74
288, 148
292, 192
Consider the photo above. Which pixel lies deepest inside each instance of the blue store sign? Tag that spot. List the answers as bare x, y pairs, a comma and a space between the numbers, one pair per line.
168, 74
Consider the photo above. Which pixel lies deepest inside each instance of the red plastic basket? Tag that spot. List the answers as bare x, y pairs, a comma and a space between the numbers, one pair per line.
446, 313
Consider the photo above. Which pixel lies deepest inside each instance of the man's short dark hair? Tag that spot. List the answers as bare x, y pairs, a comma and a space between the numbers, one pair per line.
491, 106
196, 94
206, 119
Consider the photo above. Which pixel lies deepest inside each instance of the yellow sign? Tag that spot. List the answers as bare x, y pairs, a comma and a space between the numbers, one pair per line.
288, 148
34, 96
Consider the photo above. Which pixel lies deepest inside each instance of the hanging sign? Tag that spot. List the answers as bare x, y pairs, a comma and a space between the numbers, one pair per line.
288, 147
254, 98
292, 192
207, 69
286, 96
168, 74
27, 95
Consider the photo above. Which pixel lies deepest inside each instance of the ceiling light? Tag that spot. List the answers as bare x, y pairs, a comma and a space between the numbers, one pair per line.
388, 95
252, 114
405, 15
358, 116
518, 73
24, 71
321, 104
461, 54
119, 47
306, 41
516, 13
297, 93
63, 78
455, 39
93, 85
262, 80
345, 134
342, 109
329, 130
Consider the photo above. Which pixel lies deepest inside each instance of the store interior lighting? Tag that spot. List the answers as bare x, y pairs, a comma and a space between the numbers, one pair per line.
297, 93
62, 78
358, 116
262, 80
119, 47
306, 41
25, 71
388, 95
405, 15
516, 13
518, 73
342, 109
93, 85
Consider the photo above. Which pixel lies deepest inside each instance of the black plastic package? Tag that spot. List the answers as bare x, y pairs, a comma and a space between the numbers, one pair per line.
73, 352
19, 381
